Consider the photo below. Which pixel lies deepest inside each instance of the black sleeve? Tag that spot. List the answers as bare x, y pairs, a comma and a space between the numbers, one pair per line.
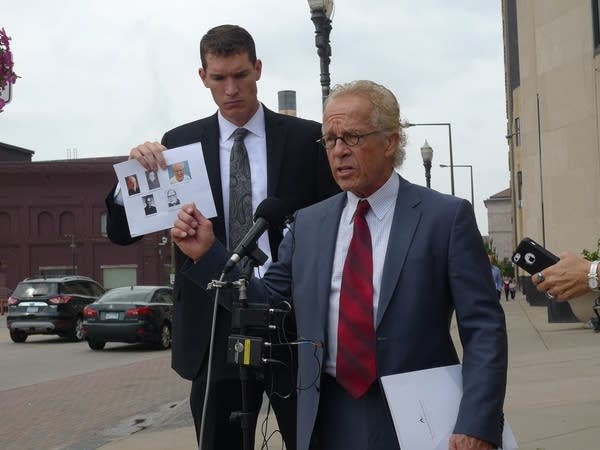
117, 227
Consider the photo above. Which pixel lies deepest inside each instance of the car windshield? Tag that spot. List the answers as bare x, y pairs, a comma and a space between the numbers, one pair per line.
32, 290
126, 295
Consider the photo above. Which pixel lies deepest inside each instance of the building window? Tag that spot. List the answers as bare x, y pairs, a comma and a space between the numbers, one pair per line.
66, 223
103, 224
519, 189
45, 225
596, 23
5, 225
517, 131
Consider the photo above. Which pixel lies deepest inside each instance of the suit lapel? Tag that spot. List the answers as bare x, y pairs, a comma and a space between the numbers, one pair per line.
275, 137
327, 229
209, 137
210, 146
404, 224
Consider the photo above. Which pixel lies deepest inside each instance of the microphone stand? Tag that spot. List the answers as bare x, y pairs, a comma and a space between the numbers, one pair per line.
255, 257
248, 265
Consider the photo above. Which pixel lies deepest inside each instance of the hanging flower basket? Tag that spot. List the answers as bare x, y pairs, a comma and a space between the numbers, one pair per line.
7, 76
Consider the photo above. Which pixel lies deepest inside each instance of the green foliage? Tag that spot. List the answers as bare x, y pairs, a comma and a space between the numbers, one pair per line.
592, 255
507, 269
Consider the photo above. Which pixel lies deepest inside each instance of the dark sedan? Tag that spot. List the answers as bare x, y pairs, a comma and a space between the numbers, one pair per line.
130, 314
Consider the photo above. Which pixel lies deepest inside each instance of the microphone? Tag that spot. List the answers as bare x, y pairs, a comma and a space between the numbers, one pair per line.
270, 213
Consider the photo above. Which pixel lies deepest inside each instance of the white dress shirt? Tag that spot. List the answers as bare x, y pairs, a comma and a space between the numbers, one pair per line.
379, 218
256, 146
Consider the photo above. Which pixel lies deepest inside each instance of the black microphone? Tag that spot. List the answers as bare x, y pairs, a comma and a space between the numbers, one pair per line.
270, 213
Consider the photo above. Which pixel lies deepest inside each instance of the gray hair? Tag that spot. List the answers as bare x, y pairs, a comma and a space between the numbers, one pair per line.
386, 111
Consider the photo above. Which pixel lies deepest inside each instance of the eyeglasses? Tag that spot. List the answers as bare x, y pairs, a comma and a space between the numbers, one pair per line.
350, 139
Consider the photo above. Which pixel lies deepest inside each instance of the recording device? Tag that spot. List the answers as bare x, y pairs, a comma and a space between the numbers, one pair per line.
253, 324
254, 328
532, 257
270, 213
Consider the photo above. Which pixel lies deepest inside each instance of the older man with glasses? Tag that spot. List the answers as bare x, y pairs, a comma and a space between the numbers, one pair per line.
375, 275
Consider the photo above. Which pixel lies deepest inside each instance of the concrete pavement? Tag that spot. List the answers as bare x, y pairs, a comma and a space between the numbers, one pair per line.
553, 393
552, 400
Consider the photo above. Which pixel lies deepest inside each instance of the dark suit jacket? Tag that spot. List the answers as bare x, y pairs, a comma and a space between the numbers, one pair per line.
435, 265
297, 173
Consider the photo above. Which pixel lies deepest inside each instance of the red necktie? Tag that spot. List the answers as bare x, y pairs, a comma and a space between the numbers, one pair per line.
355, 364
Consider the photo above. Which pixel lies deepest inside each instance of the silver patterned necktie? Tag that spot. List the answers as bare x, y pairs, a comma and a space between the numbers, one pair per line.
240, 190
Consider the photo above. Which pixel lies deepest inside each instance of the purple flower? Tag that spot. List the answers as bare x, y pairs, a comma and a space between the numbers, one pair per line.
7, 75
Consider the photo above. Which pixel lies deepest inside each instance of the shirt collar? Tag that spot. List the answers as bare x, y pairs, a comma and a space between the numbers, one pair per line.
255, 125
381, 201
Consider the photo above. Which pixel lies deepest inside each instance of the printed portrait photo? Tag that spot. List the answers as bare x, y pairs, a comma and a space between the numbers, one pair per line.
172, 199
179, 172
133, 187
149, 207
152, 178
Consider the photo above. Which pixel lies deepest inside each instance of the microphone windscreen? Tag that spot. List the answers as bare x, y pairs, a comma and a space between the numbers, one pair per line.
272, 210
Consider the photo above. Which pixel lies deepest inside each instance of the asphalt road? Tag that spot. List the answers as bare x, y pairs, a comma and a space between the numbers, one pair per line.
56, 394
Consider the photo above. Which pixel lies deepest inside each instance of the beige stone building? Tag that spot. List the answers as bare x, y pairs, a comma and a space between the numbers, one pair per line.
552, 65
500, 223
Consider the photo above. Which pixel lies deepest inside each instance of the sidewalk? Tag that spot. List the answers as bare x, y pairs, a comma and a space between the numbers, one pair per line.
552, 400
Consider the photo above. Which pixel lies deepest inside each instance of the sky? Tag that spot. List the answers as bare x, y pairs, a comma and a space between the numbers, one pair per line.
102, 76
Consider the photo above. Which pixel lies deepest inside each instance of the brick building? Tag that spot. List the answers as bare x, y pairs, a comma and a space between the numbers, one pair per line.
53, 222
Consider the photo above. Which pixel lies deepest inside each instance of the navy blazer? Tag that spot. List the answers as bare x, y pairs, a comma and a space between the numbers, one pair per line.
297, 172
435, 265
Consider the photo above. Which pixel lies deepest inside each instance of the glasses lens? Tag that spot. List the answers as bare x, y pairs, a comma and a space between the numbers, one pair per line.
351, 139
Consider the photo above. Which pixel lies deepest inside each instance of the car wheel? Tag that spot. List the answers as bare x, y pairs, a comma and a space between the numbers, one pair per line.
76, 333
165, 337
96, 345
18, 336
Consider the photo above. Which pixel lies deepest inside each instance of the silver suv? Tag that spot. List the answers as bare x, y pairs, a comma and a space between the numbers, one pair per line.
53, 305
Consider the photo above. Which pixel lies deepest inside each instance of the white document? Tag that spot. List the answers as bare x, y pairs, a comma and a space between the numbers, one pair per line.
424, 407
152, 199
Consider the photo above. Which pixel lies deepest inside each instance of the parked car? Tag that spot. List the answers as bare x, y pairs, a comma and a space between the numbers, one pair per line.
130, 314
52, 305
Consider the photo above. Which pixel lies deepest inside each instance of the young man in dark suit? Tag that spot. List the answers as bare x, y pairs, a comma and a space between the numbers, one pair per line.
285, 162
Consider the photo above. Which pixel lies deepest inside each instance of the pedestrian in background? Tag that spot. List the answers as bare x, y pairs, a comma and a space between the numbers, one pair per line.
512, 286
497, 276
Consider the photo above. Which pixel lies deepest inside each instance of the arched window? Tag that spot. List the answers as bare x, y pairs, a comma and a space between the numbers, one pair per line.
103, 218
4, 224
45, 224
66, 223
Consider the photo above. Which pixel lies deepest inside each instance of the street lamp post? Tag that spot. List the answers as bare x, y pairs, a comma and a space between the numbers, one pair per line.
73, 247
427, 154
471, 168
320, 14
408, 124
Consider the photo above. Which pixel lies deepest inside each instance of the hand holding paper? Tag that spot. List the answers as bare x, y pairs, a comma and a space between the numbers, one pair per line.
164, 180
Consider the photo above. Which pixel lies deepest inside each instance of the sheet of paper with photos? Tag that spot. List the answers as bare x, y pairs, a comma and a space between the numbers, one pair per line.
153, 198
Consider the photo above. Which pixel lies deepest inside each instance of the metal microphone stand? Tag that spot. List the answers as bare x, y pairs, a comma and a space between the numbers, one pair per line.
243, 347
248, 265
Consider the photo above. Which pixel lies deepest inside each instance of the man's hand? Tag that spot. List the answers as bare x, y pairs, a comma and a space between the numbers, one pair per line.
464, 442
566, 279
149, 155
192, 232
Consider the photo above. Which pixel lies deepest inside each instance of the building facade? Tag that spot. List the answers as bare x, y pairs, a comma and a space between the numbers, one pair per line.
500, 224
53, 222
552, 73
552, 66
